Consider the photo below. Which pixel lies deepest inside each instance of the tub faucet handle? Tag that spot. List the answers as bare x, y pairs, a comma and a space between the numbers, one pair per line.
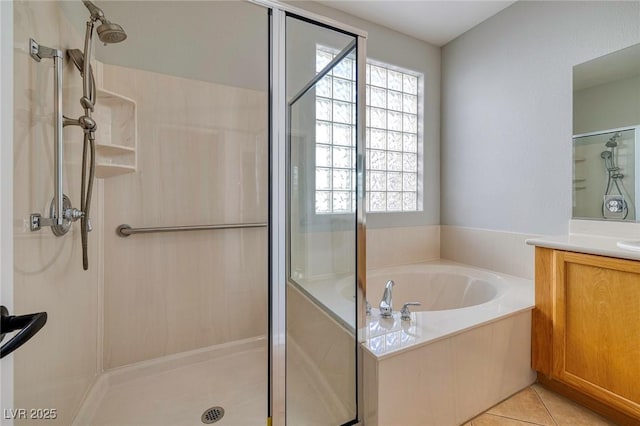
368, 307
405, 313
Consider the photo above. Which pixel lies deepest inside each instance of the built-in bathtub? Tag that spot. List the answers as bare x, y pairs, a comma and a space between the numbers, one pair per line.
438, 287
454, 298
466, 348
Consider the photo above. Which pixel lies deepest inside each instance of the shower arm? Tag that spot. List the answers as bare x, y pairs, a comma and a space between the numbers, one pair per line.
61, 212
86, 81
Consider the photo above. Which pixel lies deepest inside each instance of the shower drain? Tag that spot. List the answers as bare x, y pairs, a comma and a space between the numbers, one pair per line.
212, 415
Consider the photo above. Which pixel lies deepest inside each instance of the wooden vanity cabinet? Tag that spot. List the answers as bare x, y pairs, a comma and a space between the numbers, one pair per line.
586, 331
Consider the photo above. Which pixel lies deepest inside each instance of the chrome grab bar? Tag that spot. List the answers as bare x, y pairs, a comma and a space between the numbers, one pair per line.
125, 230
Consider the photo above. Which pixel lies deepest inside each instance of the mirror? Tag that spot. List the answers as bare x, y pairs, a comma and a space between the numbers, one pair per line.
606, 141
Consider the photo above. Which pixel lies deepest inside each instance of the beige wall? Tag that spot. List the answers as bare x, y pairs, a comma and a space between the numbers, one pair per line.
500, 251
202, 159
402, 246
56, 368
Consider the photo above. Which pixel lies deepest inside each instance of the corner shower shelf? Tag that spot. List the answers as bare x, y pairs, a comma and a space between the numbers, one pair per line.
113, 150
110, 170
116, 138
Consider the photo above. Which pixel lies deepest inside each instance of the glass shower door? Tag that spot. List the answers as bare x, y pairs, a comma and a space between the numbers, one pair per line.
321, 284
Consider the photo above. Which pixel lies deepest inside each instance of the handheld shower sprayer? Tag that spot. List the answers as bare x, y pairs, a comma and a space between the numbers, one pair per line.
108, 32
77, 57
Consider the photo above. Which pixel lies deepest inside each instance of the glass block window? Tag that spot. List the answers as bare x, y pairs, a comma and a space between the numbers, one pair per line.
392, 137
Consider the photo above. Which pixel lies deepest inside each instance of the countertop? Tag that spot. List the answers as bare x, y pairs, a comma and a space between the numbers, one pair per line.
591, 244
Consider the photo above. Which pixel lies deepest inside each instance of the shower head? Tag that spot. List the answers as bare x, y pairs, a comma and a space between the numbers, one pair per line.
613, 141
108, 32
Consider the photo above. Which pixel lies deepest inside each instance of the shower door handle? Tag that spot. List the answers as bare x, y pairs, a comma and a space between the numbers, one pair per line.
28, 325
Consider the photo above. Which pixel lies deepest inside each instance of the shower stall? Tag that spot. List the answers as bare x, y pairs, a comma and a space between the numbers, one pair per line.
199, 297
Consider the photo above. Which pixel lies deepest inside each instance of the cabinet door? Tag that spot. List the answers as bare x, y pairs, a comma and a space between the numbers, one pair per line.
596, 331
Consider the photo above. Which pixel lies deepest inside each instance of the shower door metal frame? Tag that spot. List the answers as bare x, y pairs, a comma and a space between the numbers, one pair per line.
278, 213
6, 189
278, 220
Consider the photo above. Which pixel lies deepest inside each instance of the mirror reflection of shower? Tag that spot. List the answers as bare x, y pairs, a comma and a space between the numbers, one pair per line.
614, 201
605, 178
108, 32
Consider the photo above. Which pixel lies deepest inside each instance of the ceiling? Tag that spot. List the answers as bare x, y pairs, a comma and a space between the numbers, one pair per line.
436, 22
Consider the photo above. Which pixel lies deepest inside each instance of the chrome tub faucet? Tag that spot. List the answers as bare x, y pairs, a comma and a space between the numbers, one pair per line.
386, 304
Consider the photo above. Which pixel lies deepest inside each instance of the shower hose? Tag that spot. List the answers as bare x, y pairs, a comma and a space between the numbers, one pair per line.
88, 150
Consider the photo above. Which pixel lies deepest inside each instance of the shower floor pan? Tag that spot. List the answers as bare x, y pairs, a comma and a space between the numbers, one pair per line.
177, 389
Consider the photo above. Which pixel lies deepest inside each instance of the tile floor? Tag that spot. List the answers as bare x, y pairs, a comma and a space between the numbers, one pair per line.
536, 405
